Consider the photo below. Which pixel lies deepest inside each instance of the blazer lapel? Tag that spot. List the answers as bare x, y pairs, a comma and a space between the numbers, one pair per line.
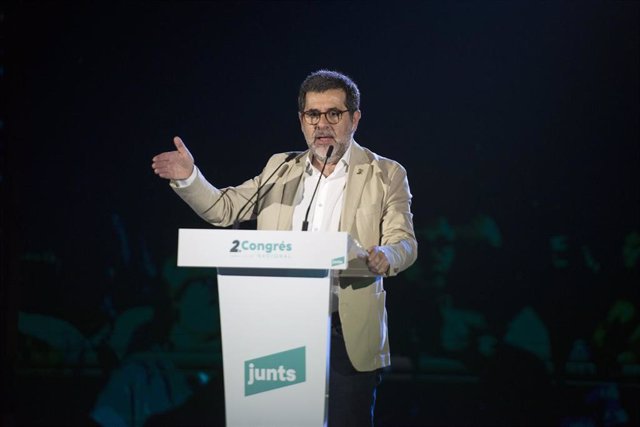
292, 181
359, 173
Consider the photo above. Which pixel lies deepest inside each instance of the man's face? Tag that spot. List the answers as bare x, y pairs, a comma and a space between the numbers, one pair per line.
323, 134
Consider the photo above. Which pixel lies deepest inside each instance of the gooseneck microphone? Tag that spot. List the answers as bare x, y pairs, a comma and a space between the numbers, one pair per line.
216, 202
289, 157
305, 223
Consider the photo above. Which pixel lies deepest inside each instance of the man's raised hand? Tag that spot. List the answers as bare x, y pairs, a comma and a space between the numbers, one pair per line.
174, 164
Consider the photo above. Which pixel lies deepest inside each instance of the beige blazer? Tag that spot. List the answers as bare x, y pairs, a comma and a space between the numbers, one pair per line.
376, 211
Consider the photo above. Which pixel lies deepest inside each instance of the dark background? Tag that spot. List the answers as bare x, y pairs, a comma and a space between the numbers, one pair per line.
516, 121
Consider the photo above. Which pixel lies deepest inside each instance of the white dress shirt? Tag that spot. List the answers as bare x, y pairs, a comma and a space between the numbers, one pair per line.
326, 207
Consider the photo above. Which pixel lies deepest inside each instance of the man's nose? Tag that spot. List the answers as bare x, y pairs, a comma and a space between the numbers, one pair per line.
323, 120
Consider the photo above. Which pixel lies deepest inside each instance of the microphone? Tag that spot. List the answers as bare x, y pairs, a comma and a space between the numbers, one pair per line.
289, 157
305, 223
216, 202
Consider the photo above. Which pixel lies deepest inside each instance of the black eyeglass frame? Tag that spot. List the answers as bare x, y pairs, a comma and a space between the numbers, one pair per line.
309, 121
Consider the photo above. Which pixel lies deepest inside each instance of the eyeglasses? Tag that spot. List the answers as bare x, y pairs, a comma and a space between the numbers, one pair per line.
333, 116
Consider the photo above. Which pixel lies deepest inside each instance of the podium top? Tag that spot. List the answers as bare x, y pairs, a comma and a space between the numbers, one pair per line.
265, 249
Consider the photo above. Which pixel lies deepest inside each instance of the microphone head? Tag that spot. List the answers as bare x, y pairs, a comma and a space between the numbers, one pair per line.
292, 155
329, 151
283, 170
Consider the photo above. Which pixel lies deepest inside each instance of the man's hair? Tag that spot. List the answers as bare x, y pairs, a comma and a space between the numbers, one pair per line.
324, 80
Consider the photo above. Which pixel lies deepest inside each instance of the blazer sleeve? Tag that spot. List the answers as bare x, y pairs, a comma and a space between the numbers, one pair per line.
398, 240
221, 207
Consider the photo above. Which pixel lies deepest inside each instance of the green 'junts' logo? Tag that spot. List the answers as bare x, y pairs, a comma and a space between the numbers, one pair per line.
274, 371
337, 261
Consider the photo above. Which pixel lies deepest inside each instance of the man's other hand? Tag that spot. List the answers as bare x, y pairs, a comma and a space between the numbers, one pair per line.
174, 164
377, 261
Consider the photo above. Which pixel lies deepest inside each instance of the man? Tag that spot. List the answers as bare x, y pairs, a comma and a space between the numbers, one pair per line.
359, 192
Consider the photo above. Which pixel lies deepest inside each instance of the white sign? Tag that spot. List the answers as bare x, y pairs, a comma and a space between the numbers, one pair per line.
262, 249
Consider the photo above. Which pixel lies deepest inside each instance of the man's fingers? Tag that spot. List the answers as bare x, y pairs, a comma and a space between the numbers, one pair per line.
163, 157
163, 174
162, 162
163, 171
377, 261
182, 149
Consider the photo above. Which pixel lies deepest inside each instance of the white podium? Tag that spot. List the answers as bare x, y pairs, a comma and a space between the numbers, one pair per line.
274, 293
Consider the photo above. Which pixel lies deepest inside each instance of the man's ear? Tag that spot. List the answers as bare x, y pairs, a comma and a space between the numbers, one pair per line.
356, 119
